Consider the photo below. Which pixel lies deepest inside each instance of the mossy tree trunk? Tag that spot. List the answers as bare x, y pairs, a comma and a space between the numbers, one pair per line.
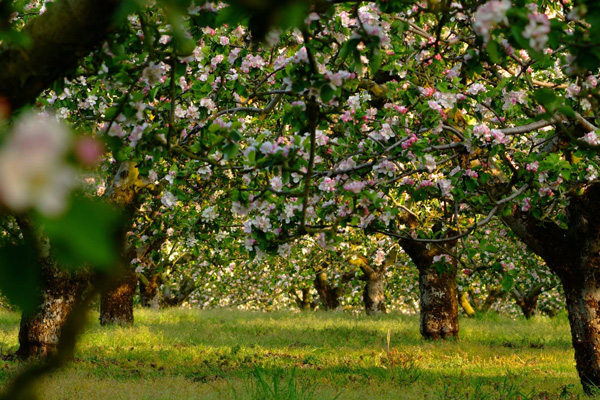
175, 299
439, 302
40, 330
374, 294
438, 289
374, 278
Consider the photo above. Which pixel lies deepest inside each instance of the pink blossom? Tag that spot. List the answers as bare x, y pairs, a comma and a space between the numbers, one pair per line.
410, 141
545, 191
276, 182
533, 167
490, 14
573, 91
425, 183
168, 199
476, 88
88, 150
591, 138
328, 185
471, 174
354, 186
499, 136
537, 30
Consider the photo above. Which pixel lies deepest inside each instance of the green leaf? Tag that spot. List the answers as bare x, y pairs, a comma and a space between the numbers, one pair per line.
493, 51
349, 46
548, 98
490, 248
230, 151
507, 282
232, 15
87, 234
327, 93
567, 111
375, 61
20, 273
398, 28
235, 136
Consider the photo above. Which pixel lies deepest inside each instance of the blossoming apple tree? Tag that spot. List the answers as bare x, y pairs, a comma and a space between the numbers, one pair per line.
422, 121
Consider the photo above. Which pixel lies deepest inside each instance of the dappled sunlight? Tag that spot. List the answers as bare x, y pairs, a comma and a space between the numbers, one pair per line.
224, 353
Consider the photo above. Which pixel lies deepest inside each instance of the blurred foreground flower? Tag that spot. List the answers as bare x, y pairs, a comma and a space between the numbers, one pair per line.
33, 168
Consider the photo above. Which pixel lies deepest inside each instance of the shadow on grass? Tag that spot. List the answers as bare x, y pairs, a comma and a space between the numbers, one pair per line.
326, 330
278, 383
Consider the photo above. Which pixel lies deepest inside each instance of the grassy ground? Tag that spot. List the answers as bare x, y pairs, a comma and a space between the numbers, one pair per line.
225, 354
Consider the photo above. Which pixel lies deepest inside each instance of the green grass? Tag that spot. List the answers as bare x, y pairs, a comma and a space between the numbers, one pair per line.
226, 354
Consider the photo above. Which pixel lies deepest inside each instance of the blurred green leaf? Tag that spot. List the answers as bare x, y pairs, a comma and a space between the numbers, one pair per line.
20, 275
86, 235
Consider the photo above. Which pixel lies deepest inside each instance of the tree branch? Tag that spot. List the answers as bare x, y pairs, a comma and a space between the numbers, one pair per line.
66, 32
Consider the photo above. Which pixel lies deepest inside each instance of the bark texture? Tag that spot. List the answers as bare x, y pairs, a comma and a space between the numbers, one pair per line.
40, 330
175, 299
66, 32
439, 303
374, 277
583, 304
374, 293
329, 296
573, 253
149, 291
528, 301
438, 290
304, 300
116, 305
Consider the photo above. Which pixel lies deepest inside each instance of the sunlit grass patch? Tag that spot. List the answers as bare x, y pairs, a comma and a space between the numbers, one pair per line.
227, 354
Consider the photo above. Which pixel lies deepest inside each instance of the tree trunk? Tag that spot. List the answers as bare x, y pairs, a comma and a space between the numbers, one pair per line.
373, 294
574, 255
438, 290
304, 302
528, 308
329, 297
149, 291
40, 330
170, 299
374, 291
439, 303
116, 305
527, 302
582, 295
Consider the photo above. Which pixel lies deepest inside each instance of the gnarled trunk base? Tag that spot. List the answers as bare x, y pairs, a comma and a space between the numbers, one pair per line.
40, 330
